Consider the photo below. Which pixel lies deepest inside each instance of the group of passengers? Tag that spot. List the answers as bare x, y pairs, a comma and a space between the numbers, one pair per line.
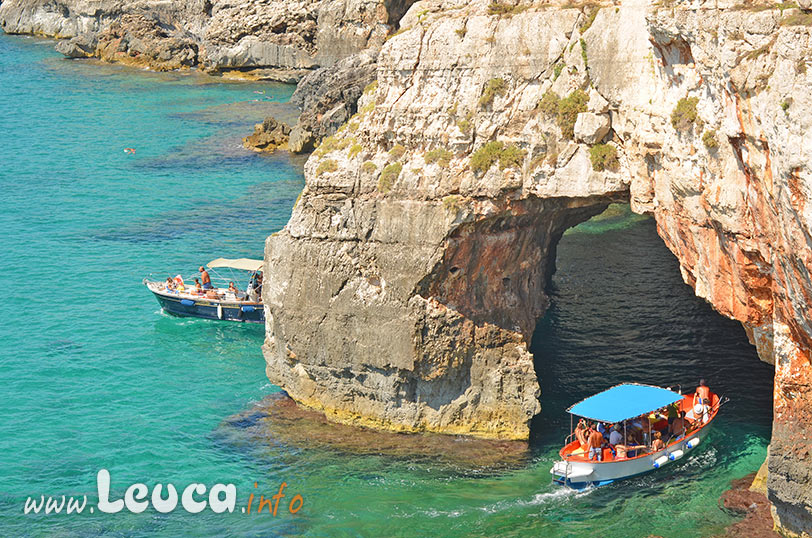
631, 438
204, 288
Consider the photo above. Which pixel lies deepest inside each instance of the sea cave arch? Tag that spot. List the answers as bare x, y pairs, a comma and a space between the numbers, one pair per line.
621, 312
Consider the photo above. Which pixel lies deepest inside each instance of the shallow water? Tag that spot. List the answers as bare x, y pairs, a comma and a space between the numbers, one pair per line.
94, 376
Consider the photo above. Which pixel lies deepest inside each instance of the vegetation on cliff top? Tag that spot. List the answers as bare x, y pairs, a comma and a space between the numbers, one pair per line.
684, 114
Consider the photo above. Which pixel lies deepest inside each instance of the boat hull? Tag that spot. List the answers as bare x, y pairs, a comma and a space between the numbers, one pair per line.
582, 474
210, 309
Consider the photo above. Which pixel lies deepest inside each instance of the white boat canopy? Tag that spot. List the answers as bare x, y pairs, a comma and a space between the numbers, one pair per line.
246, 264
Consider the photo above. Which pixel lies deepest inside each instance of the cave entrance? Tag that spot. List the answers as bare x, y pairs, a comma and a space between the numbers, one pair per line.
620, 312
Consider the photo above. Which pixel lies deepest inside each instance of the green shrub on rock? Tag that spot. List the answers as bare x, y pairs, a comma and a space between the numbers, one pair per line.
326, 166
368, 167
511, 157
684, 114
548, 104
710, 140
388, 177
440, 156
397, 151
508, 156
603, 157
568, 110
495, 86
486, 156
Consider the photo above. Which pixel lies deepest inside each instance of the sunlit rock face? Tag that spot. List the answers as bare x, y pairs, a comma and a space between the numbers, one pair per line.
403, 291
280, 40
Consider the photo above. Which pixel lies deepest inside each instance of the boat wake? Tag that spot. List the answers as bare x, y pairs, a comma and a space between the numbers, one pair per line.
559, 495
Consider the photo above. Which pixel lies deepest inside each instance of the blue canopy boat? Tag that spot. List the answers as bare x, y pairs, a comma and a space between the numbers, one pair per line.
180, 298
635, 411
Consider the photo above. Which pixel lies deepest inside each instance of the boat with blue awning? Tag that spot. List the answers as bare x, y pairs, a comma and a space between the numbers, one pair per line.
651, 427
235, 293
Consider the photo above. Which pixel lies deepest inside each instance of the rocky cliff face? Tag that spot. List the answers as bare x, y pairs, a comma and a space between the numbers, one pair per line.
406, 285
280, 40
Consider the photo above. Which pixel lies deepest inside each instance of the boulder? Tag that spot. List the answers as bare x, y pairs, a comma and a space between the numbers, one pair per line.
268, 135
81, 46
590, 128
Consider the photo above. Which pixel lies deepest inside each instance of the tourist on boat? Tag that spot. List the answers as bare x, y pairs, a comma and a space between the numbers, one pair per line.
198, 288
594, 444
658, 443
254, 290
615, 437
581, 434
204, 275
672, 411
233, 289
678, 426
702, 401
604, 429
627, 450
170, 284
212, 294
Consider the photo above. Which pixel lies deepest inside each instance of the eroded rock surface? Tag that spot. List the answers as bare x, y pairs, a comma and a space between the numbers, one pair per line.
268, 136
267, 39
404, 289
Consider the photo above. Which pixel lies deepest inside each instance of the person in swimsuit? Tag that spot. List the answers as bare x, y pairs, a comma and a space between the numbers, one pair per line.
594, 445
678, 426
204, 275
170, 284
198, 288
702, 402
658, 443
580, 433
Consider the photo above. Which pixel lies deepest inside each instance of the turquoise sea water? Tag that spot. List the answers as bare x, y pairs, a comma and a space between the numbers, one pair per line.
94, 376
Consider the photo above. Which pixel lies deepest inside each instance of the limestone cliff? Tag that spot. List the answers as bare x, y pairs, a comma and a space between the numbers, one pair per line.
279, 40
404, 289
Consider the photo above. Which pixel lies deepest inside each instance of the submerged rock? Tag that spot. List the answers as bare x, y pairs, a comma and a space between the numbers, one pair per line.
277, 420
754, 506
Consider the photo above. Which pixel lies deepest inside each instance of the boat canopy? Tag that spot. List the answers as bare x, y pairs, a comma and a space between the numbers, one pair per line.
623, 402
246, 264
